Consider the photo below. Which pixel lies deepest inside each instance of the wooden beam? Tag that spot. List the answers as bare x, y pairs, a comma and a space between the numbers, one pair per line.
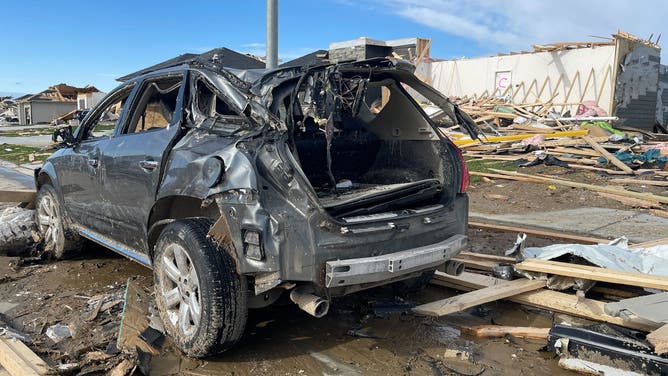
607, 155
655, 183
506, 177
519, 137
134, 319
659, 339
542, 233
591, 187
17, 195
18, 360
651, 243
482, 256
496, 331
476, 264
594, 273
545, 299
485, 295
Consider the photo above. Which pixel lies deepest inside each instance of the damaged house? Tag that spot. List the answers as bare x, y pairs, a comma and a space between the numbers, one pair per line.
623, 75
47, 105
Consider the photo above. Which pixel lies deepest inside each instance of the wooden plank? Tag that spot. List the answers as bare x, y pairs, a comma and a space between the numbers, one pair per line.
607, 155
483, 256
591, 187
630, 201
545, 299
18, 360
585, 152
496, 331
519, 137
656, 183
17, 195
485, 295
134, 319
595, 273
659, 339
542, 233
651, 243
476, 264
660, 213
506, 177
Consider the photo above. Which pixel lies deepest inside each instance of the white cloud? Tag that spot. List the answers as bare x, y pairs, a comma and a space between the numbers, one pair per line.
518, 24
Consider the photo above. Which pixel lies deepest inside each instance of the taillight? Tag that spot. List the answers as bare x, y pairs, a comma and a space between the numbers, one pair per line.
466, 178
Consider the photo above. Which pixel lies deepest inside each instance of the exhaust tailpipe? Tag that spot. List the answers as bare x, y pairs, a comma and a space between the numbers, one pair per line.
454, 267
314, 305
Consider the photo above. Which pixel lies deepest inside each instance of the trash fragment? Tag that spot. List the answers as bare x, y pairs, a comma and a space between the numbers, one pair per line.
603, 345
58, 332
651, 260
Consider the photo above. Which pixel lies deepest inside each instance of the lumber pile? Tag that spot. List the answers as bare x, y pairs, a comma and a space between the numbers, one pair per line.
539, 133
480, 287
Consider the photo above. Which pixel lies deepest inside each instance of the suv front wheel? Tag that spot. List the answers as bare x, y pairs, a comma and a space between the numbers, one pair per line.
200, 296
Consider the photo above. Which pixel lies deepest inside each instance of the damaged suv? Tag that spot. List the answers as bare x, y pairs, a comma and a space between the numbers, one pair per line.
237, 186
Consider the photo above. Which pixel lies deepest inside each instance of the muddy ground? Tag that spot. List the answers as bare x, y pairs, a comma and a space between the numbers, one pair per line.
371, 333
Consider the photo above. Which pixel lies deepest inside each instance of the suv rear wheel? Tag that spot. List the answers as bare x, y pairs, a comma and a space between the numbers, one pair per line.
58, 239
200, 297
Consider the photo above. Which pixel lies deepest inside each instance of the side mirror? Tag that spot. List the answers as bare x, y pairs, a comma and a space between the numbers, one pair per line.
65, 135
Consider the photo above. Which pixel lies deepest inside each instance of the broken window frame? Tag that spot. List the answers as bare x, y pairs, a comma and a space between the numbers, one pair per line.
140, 109
91, 120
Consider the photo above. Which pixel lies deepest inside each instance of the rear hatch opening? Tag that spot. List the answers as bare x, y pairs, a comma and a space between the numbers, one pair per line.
365, 145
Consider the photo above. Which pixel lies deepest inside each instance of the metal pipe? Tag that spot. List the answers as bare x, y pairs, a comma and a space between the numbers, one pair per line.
272, 34
454, 267
314, 305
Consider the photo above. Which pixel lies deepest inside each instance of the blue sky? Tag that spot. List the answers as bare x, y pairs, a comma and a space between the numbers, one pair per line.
48, 42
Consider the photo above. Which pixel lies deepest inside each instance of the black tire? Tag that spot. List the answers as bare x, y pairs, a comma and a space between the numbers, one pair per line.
220, 295
17, 226
66, 242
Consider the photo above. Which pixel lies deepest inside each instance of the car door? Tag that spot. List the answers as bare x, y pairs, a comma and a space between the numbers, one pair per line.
79, 169
132, 162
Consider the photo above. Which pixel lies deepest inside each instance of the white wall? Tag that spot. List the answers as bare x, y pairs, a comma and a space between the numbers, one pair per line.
474, 77
45, 112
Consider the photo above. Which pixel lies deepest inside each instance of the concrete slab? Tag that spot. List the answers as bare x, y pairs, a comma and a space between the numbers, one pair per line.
13, 179
637, 226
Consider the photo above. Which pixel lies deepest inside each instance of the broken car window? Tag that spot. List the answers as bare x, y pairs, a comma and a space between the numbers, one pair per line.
156, 105
105, 120
210, 104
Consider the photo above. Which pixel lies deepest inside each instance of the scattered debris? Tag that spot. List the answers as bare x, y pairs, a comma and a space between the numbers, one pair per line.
18, 232
604, 348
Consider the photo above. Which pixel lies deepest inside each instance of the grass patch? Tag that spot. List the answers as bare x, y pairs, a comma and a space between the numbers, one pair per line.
482, 165
27, 132
20, 154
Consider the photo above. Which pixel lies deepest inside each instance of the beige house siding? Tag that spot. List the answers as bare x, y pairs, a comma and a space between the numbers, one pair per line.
45, 112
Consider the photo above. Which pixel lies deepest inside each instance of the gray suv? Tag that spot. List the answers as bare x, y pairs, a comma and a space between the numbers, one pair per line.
239, 186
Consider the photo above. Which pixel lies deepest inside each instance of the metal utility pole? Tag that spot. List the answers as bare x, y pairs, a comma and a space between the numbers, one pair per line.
272, 34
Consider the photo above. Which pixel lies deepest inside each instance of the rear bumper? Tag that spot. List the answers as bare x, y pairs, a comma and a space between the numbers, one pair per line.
391, 266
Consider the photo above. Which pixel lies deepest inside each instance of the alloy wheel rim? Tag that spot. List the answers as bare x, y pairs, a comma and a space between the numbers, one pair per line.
49, 222
180, 289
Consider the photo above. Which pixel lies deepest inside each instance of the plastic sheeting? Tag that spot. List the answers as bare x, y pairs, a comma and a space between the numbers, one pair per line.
616, 255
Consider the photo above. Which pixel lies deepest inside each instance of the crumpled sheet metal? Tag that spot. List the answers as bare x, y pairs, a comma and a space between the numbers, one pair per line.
616, 255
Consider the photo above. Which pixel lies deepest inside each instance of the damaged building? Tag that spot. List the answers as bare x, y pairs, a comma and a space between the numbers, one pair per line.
622, 74
47, 105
